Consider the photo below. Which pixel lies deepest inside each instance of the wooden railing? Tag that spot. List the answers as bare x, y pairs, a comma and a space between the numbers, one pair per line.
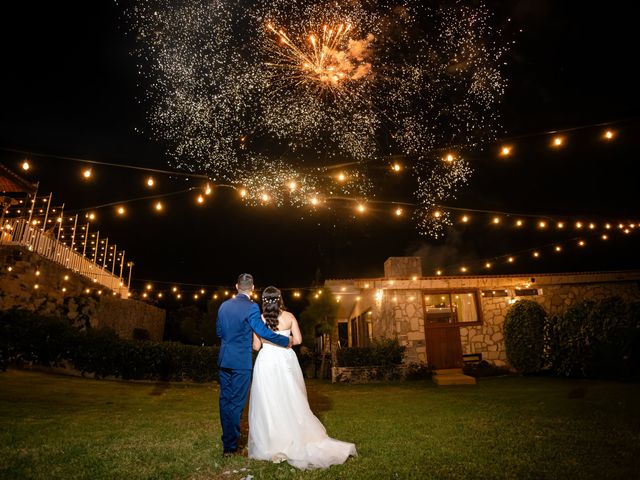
19, 232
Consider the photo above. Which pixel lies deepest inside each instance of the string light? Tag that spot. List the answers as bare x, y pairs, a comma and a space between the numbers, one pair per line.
398, 212
314, 201
542, 224
604, 237
557, 141
341, 177
449, 157
159, 206
361, 208
150, 182
292, 186
505, 151
558, 248
463, 269
91, 216
536, 254
121, 210
581, 243
265, 197
207, 190
87, 173
26, 165
200, 199
560, 225
496, 220
243, 193
396, 167
609, 134
511, 259
437, 214
519, 223
487, 265
465, 219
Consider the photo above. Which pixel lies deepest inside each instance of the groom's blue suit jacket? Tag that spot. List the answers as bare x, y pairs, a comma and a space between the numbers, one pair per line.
238, 317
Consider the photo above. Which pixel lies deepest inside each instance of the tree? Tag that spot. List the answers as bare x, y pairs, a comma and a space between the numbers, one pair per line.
190, 325
319, 318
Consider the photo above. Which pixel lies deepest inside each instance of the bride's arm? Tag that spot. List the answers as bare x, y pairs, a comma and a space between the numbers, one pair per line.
295, 331
257, 342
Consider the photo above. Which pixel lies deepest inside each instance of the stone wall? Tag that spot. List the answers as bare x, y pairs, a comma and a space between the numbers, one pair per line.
372, 374
33, 283
403, 267
124, 316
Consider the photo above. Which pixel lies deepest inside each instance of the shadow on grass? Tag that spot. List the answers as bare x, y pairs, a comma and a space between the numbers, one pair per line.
159, 388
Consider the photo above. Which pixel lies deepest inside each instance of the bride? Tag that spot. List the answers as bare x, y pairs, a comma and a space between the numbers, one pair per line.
281, 424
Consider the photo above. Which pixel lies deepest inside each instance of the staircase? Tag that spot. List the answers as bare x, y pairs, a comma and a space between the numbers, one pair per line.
452, 376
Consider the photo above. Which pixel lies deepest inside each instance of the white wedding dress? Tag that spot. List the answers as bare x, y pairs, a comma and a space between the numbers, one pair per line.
282, 427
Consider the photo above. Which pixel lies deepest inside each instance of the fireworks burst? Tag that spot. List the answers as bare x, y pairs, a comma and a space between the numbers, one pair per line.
264, 93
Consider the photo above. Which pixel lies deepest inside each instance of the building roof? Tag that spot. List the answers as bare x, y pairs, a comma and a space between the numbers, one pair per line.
11, 182
511, 275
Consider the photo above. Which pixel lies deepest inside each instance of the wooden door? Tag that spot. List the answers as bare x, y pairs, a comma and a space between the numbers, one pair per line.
444, 349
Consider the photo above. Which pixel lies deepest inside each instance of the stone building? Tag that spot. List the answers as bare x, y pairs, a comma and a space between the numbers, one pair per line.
445, 320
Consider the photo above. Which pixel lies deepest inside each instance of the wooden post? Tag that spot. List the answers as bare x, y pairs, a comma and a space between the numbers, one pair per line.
46, 215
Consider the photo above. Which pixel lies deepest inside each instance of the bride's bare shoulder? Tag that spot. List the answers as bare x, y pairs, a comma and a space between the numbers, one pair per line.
286, 319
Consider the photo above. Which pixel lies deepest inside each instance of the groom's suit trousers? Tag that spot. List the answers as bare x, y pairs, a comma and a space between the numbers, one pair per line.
234, 388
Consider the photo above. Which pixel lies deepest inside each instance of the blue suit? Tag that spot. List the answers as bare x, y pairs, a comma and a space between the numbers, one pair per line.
237, 319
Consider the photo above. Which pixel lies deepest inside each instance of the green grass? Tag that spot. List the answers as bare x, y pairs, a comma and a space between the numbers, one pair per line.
510, 427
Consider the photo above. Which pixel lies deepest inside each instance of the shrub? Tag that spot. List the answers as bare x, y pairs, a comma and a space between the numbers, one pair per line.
524, 336
484, 369
26, 337
417, 371
380, 353
595, 339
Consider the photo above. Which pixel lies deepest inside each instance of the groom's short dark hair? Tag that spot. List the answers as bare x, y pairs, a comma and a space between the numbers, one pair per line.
245, 281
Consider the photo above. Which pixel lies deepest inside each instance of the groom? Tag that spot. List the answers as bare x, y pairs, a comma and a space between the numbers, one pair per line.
238, 318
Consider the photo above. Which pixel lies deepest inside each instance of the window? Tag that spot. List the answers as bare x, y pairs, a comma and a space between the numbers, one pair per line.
361, 330
451, 307
343, 334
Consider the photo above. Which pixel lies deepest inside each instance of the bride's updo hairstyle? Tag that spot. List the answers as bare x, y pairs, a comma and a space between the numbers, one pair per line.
272, 306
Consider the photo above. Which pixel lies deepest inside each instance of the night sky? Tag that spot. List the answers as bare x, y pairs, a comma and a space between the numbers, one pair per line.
70, 88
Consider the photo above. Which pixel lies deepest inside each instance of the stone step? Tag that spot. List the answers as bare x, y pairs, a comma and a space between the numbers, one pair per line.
448, 371
453, 380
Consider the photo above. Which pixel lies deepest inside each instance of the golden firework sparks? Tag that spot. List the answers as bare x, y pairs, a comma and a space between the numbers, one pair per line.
326, 59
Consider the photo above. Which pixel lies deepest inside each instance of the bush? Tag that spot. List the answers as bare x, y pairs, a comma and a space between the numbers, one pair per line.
417, 371
524, 336
380, 353
595, 339
484, 369
26, 337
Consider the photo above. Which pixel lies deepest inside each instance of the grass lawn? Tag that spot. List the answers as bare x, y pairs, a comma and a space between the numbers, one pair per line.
510, 427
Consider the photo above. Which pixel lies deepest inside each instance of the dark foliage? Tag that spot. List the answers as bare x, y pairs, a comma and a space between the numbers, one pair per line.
524, 336
381, 353
595, 339
484, 369
27, 338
